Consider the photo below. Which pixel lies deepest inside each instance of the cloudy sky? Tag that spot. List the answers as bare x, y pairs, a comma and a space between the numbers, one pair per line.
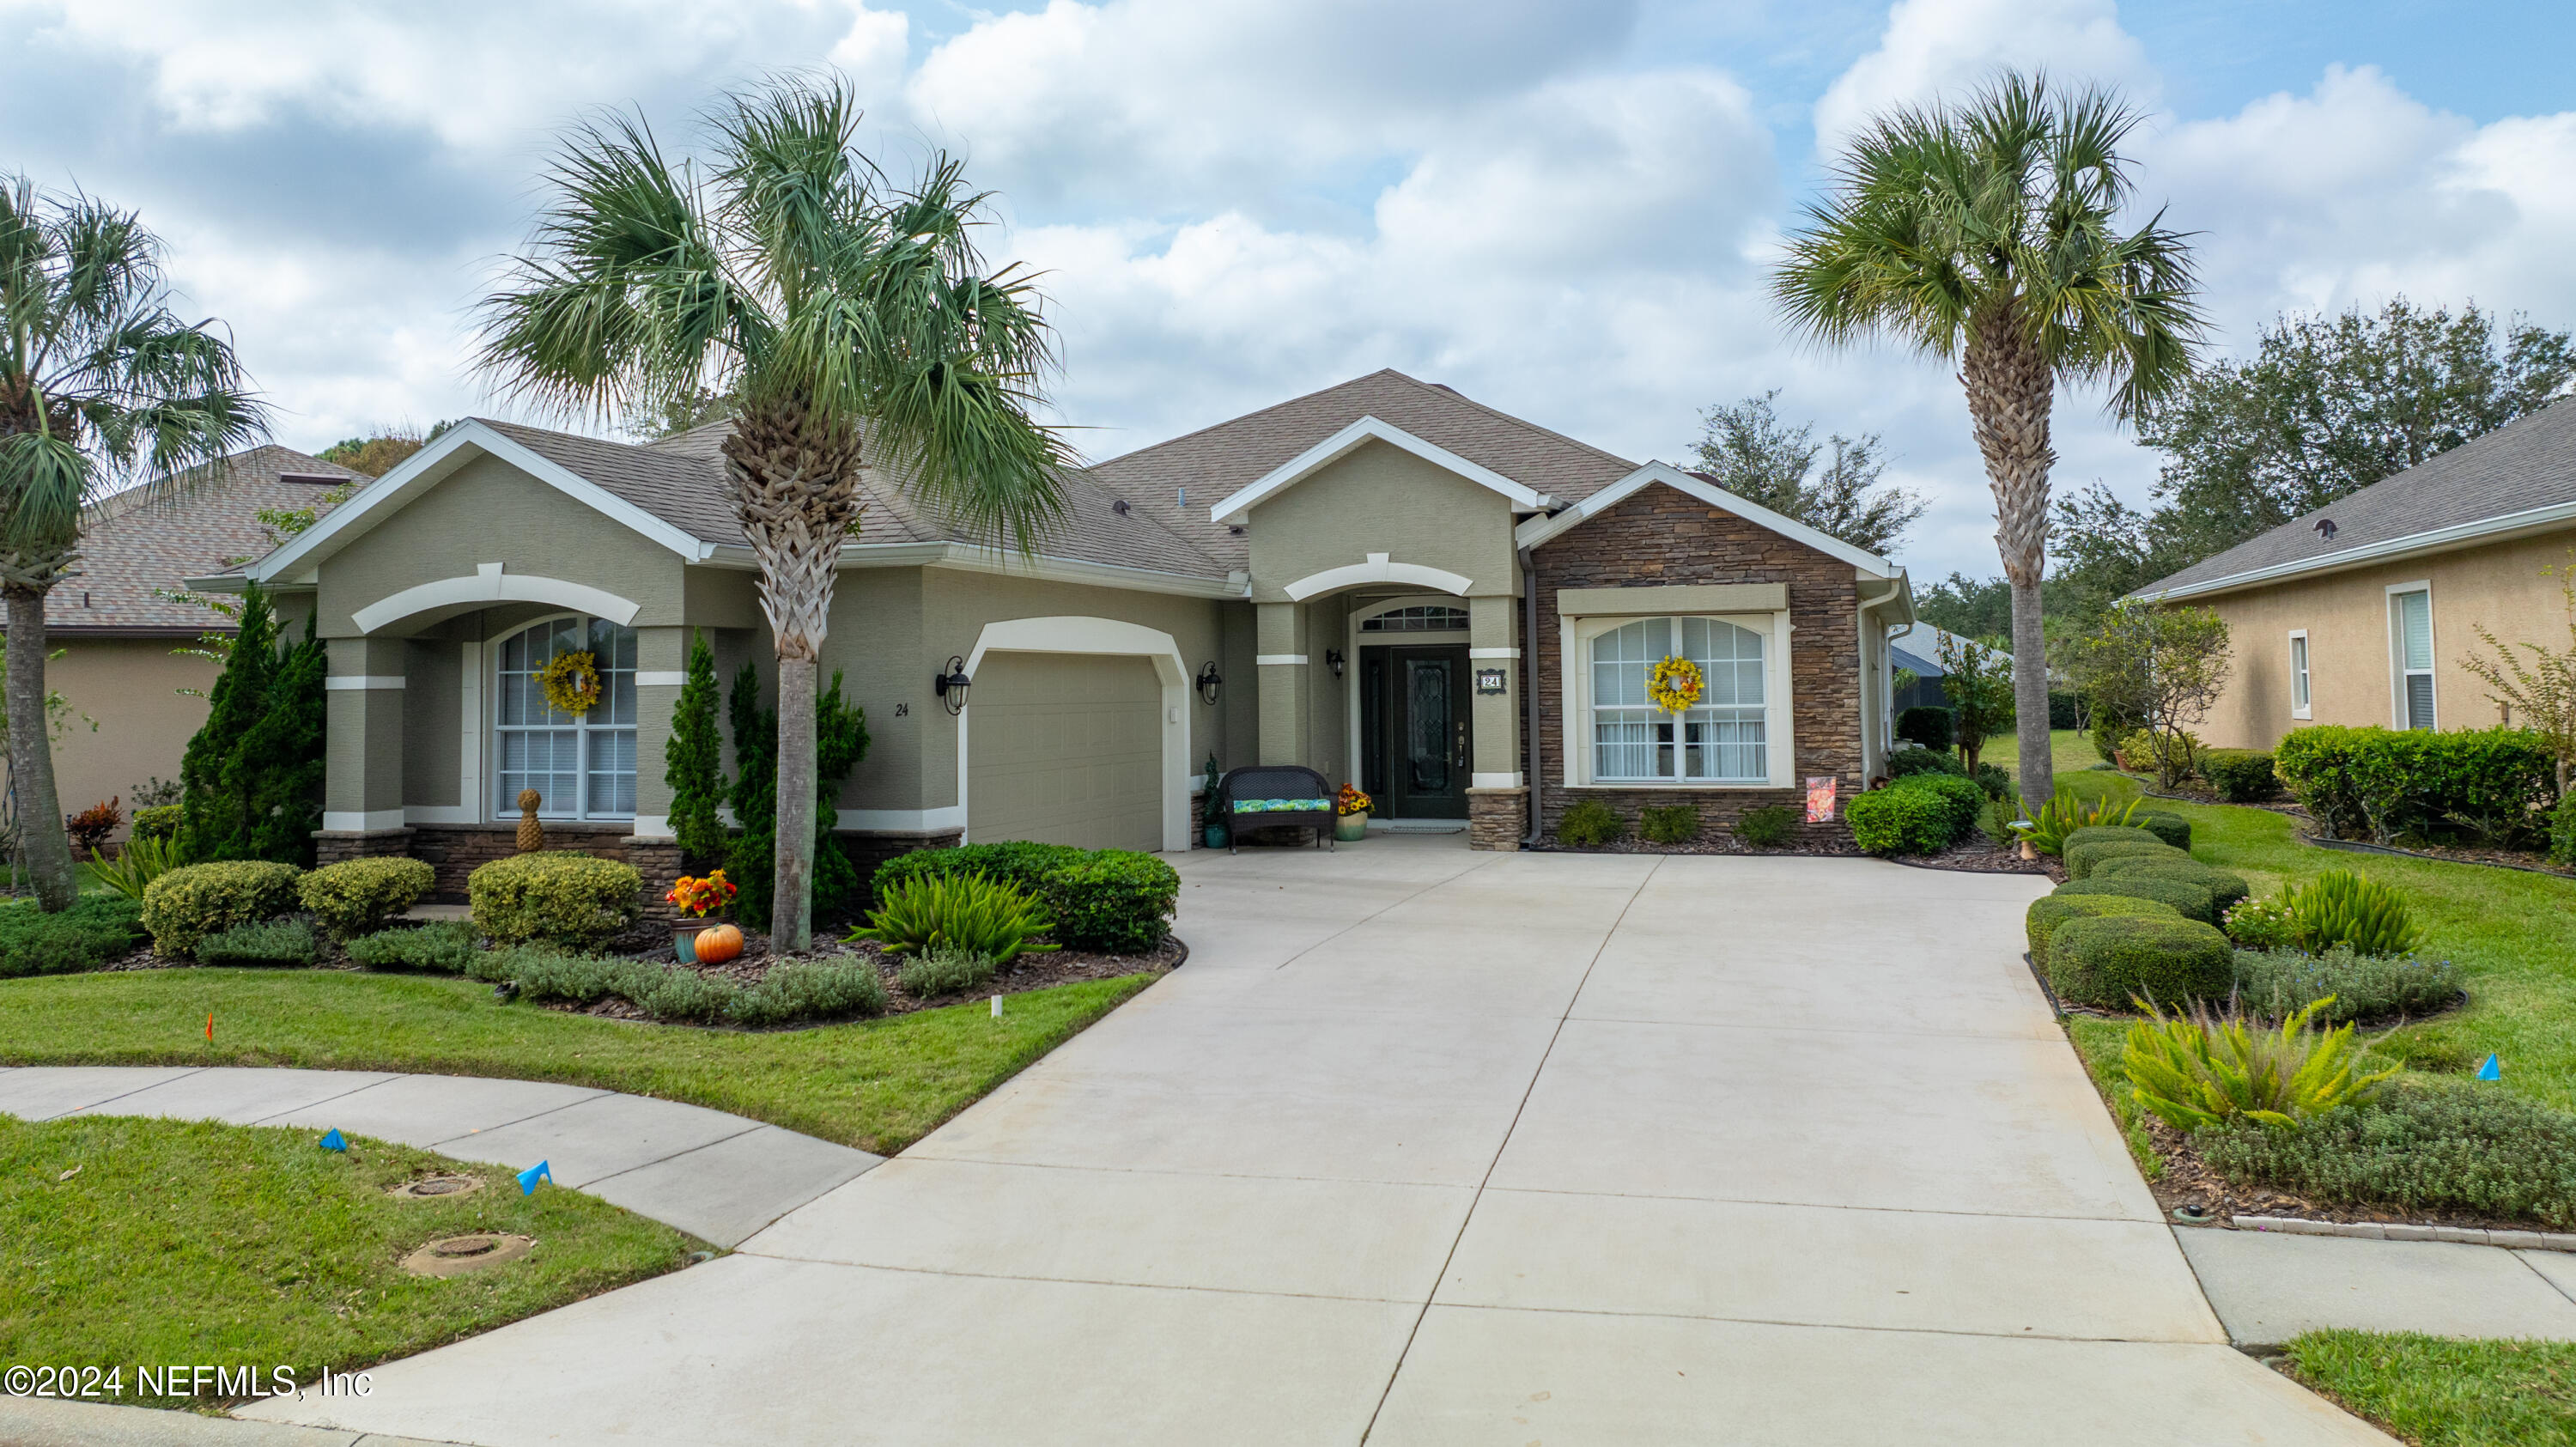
1562, 209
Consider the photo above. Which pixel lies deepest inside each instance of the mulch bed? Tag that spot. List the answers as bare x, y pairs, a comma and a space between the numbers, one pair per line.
2521, 859
1028, 972
1981, 855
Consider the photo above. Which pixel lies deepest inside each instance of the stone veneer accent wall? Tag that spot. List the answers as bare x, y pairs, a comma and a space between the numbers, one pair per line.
1663, 538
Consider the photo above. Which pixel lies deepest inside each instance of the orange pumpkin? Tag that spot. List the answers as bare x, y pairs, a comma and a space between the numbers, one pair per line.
719, 943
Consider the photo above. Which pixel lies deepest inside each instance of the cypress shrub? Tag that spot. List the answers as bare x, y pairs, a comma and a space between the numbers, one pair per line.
2049, 911
2111, 960
2194, 901
280, 758
693, 759
214, 815
751, 862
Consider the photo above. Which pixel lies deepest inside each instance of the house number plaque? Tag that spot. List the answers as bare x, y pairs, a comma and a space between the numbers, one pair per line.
1489, 680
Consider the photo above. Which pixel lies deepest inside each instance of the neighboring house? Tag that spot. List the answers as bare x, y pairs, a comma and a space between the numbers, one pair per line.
1917, 648
2362, 611
119, 637
1348, 580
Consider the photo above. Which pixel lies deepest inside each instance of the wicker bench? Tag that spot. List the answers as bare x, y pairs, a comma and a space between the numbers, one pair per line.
1273, 796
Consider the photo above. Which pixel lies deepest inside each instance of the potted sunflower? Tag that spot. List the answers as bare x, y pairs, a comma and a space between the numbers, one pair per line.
1350, 813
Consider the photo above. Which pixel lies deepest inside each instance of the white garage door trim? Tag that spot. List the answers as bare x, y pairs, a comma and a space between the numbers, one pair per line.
1074, 634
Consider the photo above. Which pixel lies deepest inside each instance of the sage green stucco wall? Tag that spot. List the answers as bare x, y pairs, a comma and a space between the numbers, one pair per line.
1382, 499
433, 733
490, 512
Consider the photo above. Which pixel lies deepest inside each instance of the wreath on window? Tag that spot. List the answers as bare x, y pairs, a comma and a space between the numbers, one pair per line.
571, 682
1674, 684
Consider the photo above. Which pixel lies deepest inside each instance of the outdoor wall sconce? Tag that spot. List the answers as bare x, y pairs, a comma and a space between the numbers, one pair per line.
951, 684
1333, 661
1209, 682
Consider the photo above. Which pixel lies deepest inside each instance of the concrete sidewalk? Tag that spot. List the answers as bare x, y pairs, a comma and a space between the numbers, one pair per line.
1432, 1147
718, 1177
2269, 1287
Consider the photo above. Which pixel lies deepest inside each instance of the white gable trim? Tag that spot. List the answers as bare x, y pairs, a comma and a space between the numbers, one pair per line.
1376, 570
488, 584
388, 494
1238, 508
1539, 530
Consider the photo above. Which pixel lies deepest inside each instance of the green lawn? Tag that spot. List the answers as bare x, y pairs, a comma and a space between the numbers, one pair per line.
2440, 1393
2068, 751
127, 1241
879, 1085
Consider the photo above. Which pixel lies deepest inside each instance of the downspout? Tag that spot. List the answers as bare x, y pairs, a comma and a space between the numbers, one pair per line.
1895, 587
1529, 690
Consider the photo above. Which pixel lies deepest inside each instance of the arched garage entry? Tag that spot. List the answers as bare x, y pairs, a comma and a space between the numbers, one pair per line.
1076, 731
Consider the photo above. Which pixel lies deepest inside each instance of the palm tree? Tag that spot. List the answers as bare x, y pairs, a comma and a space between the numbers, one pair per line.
852, 319
1984, 234
100, 383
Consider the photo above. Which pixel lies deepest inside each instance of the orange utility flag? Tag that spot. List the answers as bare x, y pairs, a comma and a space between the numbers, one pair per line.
210, 1027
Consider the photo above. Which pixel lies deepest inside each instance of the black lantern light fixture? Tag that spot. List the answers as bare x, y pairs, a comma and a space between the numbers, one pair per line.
1333, 661
1209, 682
950, 684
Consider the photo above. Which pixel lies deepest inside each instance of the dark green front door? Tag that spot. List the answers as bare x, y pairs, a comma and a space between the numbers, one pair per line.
1423, 737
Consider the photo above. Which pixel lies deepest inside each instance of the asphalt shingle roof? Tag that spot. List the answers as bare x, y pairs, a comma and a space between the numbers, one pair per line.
132, 544
1216, 462
2525, 464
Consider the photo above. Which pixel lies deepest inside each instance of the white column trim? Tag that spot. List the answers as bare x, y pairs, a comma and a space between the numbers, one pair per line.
1493, 653
361, 821
1108, 636
363, 680
904, 821
660, 677
1280, 660
470, 735
653, 826
1510, 780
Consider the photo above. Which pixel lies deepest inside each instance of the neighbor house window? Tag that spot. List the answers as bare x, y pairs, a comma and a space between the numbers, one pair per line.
2410, 629
1722, 739
583, 765
2299, 673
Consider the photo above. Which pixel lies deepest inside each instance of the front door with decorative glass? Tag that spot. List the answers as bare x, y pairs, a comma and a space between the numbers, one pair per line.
580, 760
1414, 711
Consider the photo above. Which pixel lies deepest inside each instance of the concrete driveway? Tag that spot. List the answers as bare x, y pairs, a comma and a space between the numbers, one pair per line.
1432, 1147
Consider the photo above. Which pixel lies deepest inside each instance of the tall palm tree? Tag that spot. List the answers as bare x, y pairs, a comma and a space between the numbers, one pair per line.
1985, 234
100, 384
853, 319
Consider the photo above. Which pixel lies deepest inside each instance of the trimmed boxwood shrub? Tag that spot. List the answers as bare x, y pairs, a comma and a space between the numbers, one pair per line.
2194, 901
2419, 1148
1918, 814
360, 896
1926, 724
95, 930
270, 942
2173, 829
2049, 911
1116, 901
2108, 961
2487, 785
556, 896
1589, 824
2226, 889
2241, 776
193, 901
1904, 763
2080, 858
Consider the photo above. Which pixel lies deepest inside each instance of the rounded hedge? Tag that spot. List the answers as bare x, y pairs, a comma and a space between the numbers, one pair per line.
2241, 776
2226, 889
2173, 829
2111, 961
557, 896
2049, 911
361, 896
193, 901
2094, 833
1116, 901
2081, 858
2193, 901
1918, 814
1905, 763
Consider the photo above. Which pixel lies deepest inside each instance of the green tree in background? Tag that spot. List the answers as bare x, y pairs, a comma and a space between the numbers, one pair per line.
101, 385
693, 759
215, 806
2324, 408
1987, 235
1756, 456
1969, 607
1977, 679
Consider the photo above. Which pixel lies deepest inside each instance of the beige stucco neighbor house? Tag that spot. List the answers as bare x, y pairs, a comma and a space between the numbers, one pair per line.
120, 633
1360, 580
2363, 611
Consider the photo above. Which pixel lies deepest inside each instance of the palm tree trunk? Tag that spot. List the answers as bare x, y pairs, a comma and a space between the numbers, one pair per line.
41, 837
791, 909
2009, 391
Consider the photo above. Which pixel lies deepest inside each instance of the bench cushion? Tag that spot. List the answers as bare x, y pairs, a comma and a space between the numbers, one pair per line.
1282, 806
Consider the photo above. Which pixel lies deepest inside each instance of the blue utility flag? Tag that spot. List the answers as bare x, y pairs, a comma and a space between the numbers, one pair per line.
334, 1141
2492, 1069
528, 1178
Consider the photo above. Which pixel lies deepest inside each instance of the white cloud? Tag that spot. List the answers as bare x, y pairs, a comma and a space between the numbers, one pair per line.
1936, 47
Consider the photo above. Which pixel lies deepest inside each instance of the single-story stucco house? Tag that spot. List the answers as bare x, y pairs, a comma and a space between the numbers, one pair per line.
126, 643
2363, 611
1382, 580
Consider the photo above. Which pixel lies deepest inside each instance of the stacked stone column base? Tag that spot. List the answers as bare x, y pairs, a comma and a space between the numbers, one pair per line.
1497, 818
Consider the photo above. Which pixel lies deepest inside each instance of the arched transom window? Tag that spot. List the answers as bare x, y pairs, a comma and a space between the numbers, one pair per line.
1720, 740
1422, 619
582, 764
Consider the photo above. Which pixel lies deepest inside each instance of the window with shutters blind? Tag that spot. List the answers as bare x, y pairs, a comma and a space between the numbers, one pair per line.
2410, 629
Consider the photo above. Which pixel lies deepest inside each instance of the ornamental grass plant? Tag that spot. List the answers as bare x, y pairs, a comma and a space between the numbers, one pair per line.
2198, 1070
970, 912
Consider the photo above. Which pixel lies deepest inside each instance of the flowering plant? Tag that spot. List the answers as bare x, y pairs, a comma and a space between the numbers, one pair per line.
1351, 800
702, 897
1674, 684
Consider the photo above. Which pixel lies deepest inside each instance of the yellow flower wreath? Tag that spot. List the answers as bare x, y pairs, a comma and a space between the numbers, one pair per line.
571, 682
1674, 684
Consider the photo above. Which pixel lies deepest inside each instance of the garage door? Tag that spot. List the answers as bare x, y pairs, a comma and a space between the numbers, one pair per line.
1067, 749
